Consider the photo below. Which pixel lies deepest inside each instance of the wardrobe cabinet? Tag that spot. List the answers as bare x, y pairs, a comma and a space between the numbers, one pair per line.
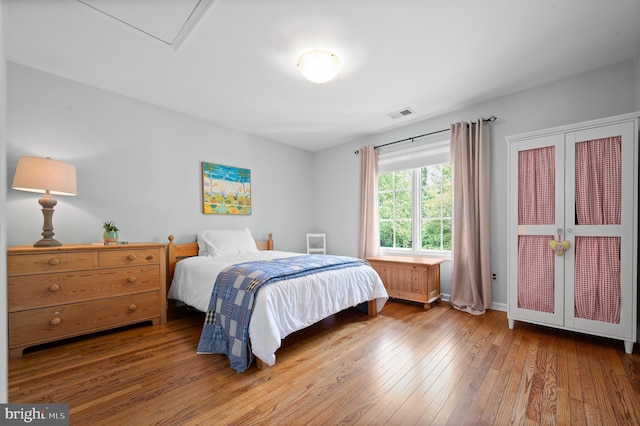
573, 226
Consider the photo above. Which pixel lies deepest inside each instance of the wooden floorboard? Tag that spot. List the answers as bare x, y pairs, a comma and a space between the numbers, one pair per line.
405, 366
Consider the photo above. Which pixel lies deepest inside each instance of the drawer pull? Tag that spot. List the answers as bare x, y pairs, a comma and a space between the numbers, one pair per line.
131, 279
54, 287
54, 261
55, 321
131, 257
132, 308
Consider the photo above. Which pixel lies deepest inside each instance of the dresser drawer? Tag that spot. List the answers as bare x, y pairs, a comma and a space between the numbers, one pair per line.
36, 291
108, 258
50, 262
48, 324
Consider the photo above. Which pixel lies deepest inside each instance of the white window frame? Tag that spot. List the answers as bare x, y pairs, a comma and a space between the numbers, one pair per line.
415, 159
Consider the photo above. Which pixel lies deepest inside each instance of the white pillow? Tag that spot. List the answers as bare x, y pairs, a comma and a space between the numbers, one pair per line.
226, 242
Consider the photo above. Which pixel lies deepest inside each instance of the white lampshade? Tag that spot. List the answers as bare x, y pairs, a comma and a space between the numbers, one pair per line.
35, 174
319, 66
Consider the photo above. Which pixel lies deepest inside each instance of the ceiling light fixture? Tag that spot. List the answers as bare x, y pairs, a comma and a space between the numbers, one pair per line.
318, 66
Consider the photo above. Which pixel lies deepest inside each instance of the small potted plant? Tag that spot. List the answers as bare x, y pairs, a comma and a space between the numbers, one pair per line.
110, 234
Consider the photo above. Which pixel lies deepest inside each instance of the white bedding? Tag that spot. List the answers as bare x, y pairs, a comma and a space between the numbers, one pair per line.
282, 307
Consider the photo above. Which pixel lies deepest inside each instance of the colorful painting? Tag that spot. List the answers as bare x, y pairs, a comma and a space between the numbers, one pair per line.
225, 189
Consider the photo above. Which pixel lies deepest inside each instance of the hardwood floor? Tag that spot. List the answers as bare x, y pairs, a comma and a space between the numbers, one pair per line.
405, 366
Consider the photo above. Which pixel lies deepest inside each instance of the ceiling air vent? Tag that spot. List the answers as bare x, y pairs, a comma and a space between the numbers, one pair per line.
402, 113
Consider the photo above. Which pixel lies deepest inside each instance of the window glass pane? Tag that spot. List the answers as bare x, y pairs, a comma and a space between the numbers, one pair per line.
395, 208
431, 203
403, 234
385, 182
386, 234
446, 234
432, 175
403, 205
385, 205
436, 207
447, 197
446, 174
403, 179
431, 234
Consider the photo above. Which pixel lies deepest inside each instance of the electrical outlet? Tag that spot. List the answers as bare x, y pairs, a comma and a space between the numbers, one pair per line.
494, 277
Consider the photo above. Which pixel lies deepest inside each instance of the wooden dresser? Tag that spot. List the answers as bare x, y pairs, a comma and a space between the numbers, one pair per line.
409, 278
60, 292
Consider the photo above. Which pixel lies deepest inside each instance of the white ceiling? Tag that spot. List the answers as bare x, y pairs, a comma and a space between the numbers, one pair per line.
237, 65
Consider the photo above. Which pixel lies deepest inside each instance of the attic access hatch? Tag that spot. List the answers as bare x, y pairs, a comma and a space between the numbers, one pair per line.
166, 21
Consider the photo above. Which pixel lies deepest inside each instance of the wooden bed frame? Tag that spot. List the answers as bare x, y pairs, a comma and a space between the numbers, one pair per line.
177, 252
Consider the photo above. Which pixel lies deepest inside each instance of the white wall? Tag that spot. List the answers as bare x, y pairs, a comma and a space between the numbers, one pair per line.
3, 222
637, 82
601, 93
140, 166
637, 108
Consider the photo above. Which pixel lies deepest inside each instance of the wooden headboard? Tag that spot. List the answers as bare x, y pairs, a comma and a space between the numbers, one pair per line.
177, 252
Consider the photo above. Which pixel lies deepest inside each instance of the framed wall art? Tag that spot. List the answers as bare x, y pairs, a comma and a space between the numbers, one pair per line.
225, 189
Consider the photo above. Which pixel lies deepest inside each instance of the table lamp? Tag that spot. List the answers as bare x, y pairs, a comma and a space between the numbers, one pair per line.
44, 175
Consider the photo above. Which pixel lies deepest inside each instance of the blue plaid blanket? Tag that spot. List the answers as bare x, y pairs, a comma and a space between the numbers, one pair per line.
226, 327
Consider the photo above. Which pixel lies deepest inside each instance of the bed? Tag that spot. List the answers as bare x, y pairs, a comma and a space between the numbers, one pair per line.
281, 307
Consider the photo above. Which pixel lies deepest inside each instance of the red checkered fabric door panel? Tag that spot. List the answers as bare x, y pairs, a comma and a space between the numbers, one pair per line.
598, 202
597, 279
536, 206
536, 186
535, 273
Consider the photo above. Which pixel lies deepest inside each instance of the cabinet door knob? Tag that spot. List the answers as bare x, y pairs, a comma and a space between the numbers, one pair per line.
54, 287
131, 279
132, 308
54, 261
55, 321
131, 257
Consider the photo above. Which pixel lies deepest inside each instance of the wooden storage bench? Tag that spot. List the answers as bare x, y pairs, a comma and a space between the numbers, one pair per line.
409, 277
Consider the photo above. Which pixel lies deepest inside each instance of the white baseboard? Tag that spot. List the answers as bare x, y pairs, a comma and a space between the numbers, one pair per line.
499, 306
495, 306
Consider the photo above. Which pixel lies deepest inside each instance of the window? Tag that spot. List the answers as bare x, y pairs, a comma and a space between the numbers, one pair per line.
436, 198
415, 201
395, 207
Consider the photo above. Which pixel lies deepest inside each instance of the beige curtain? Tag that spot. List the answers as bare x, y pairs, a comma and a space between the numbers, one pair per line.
369, 228
470, 260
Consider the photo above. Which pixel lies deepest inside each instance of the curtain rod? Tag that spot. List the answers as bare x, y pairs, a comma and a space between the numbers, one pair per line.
486, 120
